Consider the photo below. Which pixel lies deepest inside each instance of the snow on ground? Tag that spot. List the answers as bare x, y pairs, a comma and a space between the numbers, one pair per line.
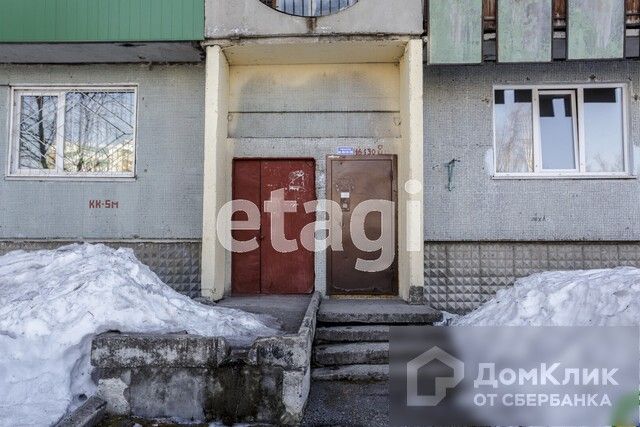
53, 302
609, 297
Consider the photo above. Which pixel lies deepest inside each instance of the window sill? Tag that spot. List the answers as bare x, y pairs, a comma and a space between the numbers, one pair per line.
563, 177
70, 178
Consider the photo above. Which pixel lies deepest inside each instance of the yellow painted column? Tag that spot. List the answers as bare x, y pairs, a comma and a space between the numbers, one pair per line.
217, 167
410, 185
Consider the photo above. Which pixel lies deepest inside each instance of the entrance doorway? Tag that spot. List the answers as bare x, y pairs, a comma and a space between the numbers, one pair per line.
351, 181
268, 270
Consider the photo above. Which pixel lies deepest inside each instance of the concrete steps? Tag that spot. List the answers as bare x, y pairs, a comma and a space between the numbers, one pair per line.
355, 373
352, 337
386, 311
353, 333
352, 354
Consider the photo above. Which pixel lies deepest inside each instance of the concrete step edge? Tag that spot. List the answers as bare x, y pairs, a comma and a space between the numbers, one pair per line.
352, 333
370, 353
354, 373
329, 318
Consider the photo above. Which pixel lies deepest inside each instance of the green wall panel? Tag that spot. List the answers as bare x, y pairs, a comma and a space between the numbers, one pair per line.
524, 30
595, 29
101, 20
455, 31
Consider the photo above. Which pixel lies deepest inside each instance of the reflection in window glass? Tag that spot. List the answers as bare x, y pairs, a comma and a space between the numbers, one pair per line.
98, 132
603, 129
38, 125
514, 131
73, 132
557, 131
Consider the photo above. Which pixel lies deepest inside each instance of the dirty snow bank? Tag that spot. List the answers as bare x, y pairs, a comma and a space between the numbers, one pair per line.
609, 297
53, 302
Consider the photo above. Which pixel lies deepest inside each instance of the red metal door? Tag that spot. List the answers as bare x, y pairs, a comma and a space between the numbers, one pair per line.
287, 272
245, 267
274, 268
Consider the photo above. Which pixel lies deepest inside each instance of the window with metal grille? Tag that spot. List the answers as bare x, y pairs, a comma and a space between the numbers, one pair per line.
309, 7
73, 132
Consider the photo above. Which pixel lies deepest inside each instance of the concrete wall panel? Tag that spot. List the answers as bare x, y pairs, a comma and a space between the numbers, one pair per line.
251, 18
164, 201
455, 31
524, 30
332, 87
314, 125
316, 101
459, 125
595, 29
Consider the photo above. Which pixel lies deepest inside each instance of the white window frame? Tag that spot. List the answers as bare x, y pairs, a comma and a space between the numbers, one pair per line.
14, 172
577, 94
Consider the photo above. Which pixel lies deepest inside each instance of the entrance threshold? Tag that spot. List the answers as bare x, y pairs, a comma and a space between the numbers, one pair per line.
370, 311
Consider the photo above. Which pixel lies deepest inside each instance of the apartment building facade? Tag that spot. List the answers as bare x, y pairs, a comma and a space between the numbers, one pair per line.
503, 135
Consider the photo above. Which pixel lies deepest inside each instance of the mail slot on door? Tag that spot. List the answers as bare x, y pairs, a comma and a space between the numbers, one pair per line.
345, 200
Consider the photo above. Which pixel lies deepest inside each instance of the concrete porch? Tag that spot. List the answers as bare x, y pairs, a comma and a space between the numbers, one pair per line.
352, 337
287, 310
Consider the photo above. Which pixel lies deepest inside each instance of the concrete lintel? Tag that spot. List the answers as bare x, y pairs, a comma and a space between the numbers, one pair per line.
312, 50
310, 39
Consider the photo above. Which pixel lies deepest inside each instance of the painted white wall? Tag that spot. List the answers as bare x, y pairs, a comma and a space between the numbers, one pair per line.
410, 168
217, 171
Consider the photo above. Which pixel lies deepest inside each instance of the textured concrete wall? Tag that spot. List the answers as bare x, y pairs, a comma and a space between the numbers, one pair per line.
314, 101
165, 200
459, 125
251, 18
461, 276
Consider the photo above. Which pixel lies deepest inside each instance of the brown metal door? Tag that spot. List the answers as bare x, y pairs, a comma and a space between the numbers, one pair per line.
269, 269
352, 180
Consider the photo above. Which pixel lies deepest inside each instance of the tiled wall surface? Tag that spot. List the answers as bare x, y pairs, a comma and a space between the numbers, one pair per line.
458, 276
176, 263
461, 276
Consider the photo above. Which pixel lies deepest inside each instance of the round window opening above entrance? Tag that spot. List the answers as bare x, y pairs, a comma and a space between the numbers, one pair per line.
309, 7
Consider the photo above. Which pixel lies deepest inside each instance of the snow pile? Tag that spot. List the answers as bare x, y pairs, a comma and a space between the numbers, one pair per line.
609, 297
52, 303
